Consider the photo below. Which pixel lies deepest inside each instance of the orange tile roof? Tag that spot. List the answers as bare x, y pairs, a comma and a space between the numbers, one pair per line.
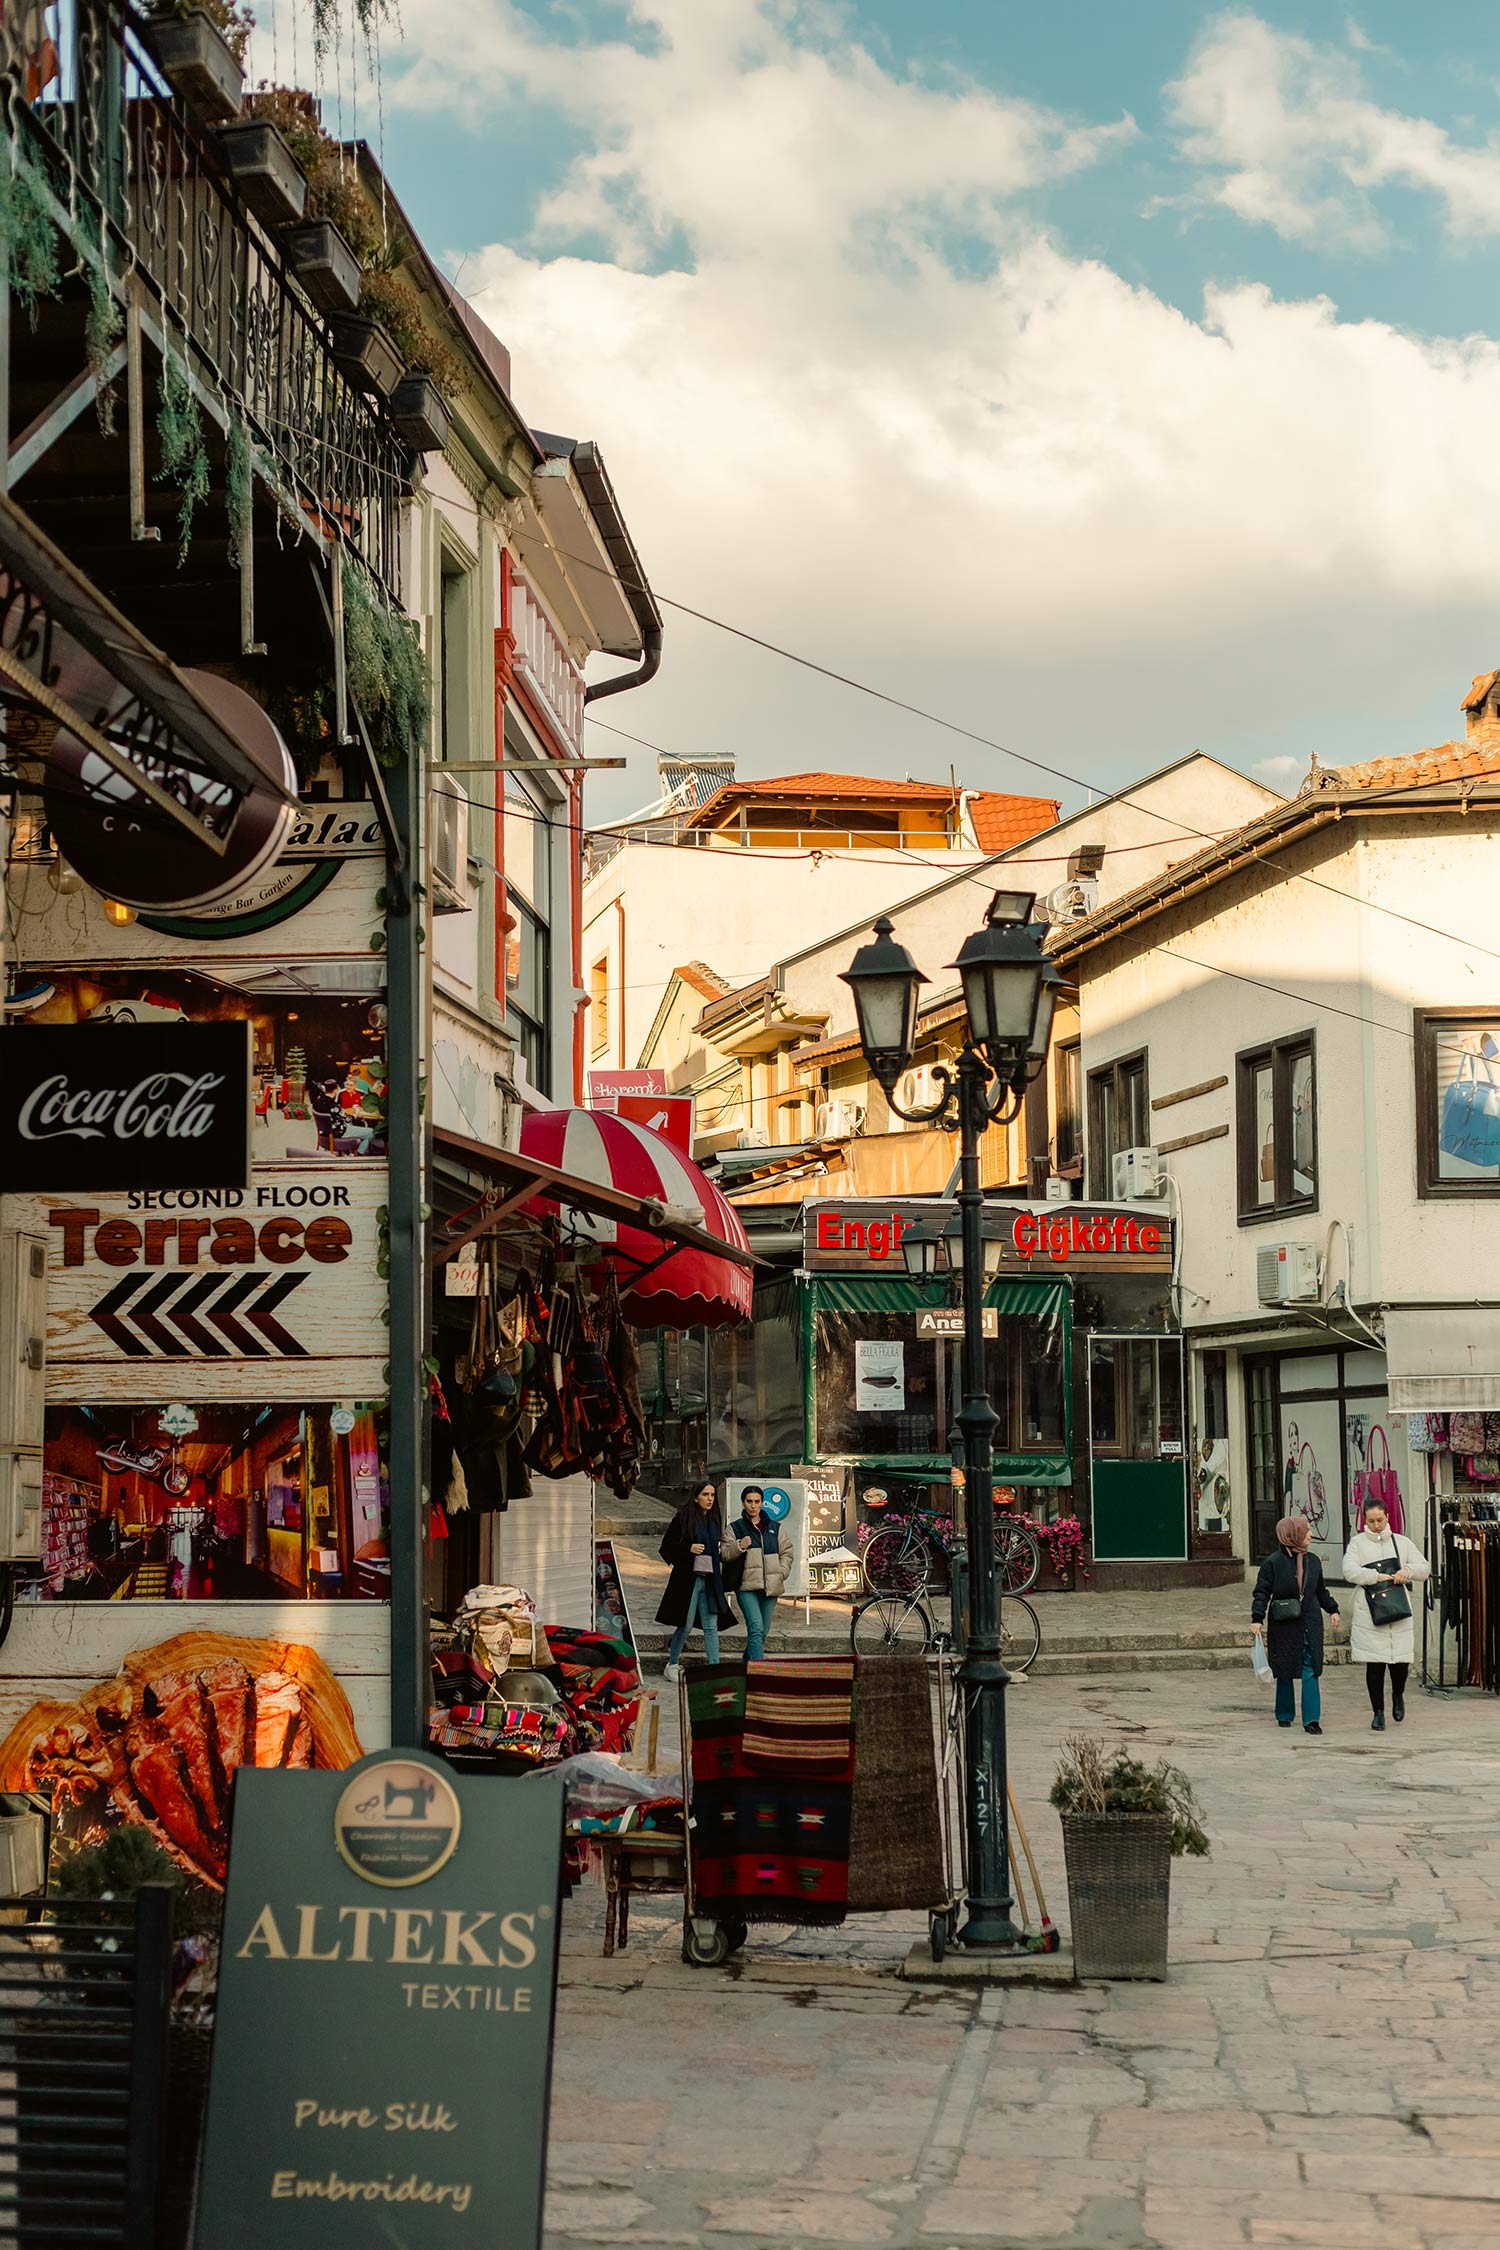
701, 978
1001, 821
1419, 769
1479, 688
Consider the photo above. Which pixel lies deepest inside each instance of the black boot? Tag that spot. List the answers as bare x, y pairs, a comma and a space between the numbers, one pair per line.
1377, 1724
1314, 1728
1398, 1708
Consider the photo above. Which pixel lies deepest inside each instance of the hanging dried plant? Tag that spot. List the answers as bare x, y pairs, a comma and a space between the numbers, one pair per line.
184, 455
103, 327
28, 239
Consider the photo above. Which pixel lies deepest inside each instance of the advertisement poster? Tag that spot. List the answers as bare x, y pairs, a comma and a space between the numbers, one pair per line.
611, 1610
833, 1567
1380, 1467
879, 1376
1212, 1484
1312, 1481
786, 1507
198, 1503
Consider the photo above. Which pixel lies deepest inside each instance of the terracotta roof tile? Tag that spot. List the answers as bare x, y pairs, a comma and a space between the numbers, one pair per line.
701, 978
1477, 760
1001, 821
1479, 690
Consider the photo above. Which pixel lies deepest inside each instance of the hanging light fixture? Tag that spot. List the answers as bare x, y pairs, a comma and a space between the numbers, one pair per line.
1000, 968
921, 1247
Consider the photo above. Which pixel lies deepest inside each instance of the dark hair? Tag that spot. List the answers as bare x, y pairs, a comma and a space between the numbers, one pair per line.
758, 1490
690, 1504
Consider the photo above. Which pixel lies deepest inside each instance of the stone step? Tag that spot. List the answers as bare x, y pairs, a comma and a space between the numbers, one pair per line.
1051, 1663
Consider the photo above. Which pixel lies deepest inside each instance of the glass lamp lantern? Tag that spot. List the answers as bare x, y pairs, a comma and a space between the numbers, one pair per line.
992, 1244
921, 1247
1000, 968
885, 981
1052, 985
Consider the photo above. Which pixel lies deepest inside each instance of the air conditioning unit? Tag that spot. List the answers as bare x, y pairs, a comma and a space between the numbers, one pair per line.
1286, 1273
23, 1334
1074, 900
1136, 1176
837, 1121
918, 1088
753, 1136
450, 850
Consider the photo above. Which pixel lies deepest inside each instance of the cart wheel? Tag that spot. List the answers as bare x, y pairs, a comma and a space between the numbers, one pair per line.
705, 1943
737, 1933
937, 1935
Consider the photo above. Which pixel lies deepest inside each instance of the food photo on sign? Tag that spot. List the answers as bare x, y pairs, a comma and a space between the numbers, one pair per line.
178, 1502
317, 1040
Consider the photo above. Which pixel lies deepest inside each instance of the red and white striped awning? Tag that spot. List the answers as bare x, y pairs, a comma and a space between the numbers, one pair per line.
661, 1285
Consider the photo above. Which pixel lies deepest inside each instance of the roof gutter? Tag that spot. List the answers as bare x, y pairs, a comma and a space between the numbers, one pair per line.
623, 682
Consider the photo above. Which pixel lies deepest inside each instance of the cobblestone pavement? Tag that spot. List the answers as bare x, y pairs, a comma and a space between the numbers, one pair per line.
1323, 2066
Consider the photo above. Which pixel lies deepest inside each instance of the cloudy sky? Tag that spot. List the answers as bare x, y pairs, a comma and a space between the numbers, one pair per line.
1108, 379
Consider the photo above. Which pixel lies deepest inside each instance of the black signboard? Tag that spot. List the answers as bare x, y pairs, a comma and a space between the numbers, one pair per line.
383, 2045
98, 1106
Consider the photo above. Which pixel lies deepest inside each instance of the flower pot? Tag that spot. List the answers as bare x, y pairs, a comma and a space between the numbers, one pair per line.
365, 352
419, 414
1119, 1888
264, 170
324, 264
195, 56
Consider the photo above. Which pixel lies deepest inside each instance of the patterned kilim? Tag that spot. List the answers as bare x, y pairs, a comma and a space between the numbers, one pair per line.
895, 1833
767, 1846
799, 1716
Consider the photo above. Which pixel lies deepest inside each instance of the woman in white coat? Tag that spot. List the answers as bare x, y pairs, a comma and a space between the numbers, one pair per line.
1379, 1556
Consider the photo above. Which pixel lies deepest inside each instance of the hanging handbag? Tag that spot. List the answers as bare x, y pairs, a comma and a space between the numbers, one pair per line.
1427, 1433
1377, 1487
1469, 1128
1466, 1433
1268, 1156
1388, 1604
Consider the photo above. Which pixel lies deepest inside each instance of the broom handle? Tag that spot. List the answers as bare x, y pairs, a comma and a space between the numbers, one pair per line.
1018, 1826
1015, 1876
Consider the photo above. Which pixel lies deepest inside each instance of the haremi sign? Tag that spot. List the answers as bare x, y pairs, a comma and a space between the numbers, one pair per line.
383, 2047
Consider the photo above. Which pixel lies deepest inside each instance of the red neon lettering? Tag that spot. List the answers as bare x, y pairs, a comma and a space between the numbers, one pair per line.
1151, 1240
1023, 1234
828, 1230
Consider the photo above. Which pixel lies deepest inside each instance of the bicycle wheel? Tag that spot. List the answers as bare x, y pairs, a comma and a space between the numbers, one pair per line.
1020, 1634
1018, 1555
897, 1561
888, 1621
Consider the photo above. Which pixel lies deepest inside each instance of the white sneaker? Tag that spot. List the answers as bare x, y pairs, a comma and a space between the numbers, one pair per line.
673, 1672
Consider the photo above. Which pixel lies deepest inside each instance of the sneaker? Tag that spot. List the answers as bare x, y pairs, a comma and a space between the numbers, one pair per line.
673, 1673
1377, 1724
1398, 1709
1313, 1729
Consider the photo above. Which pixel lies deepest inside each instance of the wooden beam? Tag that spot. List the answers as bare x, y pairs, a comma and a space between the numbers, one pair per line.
1191, 1140
40, 435
1189, 1093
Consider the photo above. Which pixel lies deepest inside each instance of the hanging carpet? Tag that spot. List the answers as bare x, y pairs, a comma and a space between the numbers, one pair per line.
896, 1854
771, 1845
799, 1716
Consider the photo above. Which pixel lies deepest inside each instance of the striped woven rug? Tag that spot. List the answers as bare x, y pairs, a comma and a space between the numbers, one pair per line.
799, 1716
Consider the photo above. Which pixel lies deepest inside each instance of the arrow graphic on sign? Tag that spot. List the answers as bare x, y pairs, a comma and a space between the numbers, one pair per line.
175, 1316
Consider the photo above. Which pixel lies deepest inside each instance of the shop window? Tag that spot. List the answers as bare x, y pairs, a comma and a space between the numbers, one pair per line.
1458, 1102
1263, 1440
1119, 1118
1277, 1127
755, 1384
884, 1391
1068, 1096
1135, 1397
599, 1008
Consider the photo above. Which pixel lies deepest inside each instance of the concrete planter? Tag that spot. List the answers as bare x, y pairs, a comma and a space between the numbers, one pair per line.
1119, 1892
419, 414
264, 170
365, 353
195, 56
324, 264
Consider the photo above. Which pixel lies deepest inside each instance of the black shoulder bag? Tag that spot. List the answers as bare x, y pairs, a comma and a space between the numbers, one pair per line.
1388, 1604
1285, 1609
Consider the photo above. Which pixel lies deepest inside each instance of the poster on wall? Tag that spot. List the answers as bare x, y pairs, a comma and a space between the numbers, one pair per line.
1211, 1485
1380, 1467
785, 1505
832, 1567
879, 1376
1312, 1481
317, 1032
180, 1502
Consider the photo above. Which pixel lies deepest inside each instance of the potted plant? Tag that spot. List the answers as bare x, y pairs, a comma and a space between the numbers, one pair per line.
336, 233
1123, 1824
264, 169
432, 372
199, 45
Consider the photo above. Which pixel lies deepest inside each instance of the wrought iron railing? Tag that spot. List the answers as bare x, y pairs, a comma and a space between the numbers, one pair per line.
136, 176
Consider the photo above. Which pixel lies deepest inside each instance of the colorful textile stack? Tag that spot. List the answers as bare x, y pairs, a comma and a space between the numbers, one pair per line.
601, 1683
540, 1733
771, 1794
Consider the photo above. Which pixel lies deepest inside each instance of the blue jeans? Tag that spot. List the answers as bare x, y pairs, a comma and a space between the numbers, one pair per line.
757, 1611
701, 1611
1312, 1697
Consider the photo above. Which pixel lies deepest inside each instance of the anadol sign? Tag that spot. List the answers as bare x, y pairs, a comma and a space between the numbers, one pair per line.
382, 2058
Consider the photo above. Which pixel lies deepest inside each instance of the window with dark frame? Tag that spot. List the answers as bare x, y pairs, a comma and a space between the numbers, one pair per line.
1458, 1101
1276, 1111
1119, 1117
1068, 1095
1135, 1397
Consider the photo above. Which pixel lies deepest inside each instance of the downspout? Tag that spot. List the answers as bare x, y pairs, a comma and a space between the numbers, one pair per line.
622, 682
575, 904
406, 1130
620, 1011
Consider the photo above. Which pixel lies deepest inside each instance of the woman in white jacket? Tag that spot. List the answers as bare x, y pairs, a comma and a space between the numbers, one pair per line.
1379, 1556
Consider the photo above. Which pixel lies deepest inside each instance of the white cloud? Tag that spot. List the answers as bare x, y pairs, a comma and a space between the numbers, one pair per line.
1284, 774
1005, 482
1292, 140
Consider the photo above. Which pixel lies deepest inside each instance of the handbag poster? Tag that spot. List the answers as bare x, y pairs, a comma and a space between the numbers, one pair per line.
1312, 1473
1466, 1060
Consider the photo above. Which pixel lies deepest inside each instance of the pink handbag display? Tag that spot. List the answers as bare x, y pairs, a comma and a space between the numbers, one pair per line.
1378, 1487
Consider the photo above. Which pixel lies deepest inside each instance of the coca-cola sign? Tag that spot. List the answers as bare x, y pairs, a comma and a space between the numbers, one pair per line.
104, 1106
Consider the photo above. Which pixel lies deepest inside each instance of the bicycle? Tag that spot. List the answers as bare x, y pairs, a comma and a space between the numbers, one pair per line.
891, 1620
902, 1557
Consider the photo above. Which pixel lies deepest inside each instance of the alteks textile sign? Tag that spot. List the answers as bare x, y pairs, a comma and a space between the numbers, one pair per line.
103, 1106
383, 2047
842, 1235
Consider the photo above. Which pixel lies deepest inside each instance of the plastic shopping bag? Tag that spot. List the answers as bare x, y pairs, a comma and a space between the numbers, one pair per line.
1260, 1660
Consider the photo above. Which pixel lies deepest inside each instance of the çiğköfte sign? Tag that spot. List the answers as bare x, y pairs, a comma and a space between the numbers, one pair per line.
382, 2054
843, 1234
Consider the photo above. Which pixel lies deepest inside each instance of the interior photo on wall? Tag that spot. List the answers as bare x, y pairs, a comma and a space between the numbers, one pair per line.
318, 1068
178, 1502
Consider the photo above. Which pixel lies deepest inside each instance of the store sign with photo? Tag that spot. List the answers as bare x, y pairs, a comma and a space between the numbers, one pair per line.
111, 1106
394, 1929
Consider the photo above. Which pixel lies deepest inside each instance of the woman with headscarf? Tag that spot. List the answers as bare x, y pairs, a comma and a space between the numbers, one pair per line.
1288, 1608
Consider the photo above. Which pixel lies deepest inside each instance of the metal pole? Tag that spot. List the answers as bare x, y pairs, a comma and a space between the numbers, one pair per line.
408, 1269
982, 1674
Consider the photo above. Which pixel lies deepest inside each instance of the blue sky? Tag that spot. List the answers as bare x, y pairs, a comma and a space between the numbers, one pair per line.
1114, 379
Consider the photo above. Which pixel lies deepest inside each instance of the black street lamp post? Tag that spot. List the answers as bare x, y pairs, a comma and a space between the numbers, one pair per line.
1009, 989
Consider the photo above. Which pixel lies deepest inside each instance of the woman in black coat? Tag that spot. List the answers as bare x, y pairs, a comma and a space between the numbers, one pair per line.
1294, 1642
694, 1546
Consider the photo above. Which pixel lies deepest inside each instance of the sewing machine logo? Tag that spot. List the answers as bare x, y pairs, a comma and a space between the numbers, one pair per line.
397, 1821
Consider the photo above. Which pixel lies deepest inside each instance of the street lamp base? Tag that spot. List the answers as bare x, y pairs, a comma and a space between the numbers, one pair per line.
992, 1932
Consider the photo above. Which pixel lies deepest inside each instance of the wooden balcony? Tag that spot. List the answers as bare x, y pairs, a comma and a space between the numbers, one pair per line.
543, 661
